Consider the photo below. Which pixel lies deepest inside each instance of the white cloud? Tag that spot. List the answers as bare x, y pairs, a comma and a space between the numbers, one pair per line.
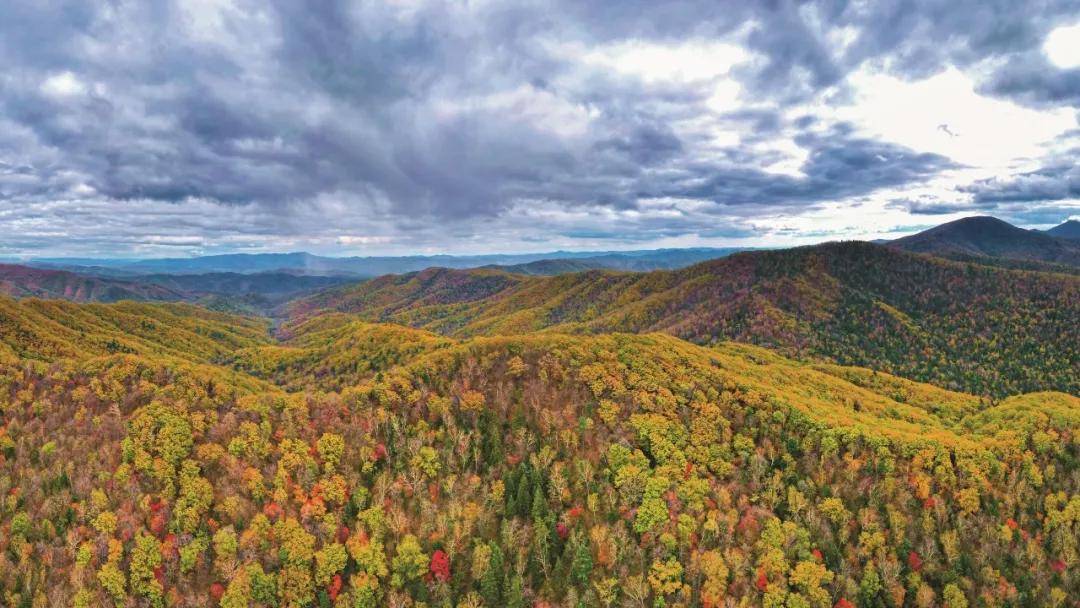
64, 84
944, 115
353, 240
725, 96
1062, 46
693, 61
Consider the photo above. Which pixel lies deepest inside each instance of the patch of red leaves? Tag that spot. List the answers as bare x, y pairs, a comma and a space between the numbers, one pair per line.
440, 566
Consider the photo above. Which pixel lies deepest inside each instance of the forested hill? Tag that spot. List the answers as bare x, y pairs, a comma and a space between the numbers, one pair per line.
48, 330
1066, 230
255, 292
360, 466
967, 326
24, 281
994, 238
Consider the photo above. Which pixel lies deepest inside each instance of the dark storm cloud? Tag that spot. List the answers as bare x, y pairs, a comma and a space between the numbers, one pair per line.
417, 114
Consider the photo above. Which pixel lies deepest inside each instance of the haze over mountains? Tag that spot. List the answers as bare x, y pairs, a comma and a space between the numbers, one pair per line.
364, 267
258, 283
974, 236
253, 292
262, 283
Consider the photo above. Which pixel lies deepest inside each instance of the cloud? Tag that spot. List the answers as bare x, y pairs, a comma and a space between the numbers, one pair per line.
933, 206
839, 165
1033, 80
1051, 183
207, 124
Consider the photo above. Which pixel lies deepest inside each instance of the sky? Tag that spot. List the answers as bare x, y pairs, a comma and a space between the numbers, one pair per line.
169, 128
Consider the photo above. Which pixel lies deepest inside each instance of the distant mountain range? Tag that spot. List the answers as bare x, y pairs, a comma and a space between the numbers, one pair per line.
639, 261
365, 267
253, 293
262, 283
990, 237
258, 283
984, 237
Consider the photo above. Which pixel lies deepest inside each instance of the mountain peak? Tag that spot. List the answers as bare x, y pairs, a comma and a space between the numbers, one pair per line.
990, 237
1070, 229
979, 224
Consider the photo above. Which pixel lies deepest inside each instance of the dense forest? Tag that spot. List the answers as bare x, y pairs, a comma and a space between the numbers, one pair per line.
964, 326
164, 455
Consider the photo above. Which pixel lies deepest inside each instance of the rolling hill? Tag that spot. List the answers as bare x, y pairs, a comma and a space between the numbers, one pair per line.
258, 293
364, 465
23, 281
48, 330
991, 237
255, 293
967, 326
275, 285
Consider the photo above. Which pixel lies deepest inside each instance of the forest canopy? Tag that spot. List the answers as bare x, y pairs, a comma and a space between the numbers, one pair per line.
352, 464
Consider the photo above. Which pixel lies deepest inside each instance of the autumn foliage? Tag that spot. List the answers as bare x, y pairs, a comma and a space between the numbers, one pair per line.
159, 455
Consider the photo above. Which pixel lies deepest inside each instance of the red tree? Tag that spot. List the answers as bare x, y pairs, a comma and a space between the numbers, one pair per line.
335, 588
440, 566
914, 561
562, 530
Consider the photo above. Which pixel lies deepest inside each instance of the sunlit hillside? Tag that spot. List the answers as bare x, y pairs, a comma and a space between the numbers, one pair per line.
964, 326
357, 465
47, 330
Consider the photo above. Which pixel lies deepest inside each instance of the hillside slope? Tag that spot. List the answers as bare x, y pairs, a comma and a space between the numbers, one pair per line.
47, 330
255, 293
991, 237
514, 471
24, 281
274, 285
965, 326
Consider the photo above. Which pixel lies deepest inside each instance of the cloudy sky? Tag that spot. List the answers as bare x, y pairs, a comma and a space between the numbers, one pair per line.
152, 128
